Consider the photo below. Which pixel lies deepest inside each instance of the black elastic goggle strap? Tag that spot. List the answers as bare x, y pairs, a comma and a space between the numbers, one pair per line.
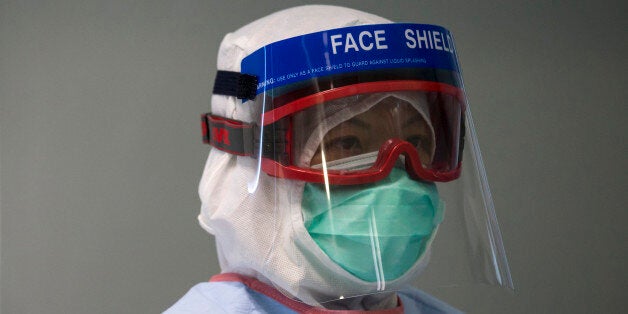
232, 136
242, 86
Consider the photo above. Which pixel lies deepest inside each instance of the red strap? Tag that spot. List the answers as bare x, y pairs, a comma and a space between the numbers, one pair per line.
295, 305
232, 136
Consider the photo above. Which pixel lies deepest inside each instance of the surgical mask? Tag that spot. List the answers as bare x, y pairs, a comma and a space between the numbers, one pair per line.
376, 232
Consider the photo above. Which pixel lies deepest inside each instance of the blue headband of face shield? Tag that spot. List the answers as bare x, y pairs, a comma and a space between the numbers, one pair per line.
351, 49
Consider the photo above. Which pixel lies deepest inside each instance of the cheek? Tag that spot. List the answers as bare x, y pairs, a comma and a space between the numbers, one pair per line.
316, 159
425, 158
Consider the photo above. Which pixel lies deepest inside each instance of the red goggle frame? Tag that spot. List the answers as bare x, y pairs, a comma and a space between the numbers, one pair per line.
242, 138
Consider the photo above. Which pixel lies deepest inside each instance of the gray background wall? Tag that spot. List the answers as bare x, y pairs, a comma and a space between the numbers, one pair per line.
101, 153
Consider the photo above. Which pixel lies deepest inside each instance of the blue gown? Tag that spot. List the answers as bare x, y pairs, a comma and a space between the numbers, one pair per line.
233, 293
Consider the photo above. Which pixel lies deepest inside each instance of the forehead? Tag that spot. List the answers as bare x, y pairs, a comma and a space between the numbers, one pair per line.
386, 109
391, 105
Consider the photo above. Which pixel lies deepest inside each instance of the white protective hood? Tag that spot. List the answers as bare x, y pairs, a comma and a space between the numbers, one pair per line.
257, 219
261, 234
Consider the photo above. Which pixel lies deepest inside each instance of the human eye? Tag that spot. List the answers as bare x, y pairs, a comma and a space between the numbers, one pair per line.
335, 148
347, 143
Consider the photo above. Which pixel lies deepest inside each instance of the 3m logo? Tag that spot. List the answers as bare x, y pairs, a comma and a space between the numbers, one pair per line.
220, 136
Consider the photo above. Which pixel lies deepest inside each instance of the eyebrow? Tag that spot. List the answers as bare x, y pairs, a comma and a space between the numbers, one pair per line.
416, 118
358, 122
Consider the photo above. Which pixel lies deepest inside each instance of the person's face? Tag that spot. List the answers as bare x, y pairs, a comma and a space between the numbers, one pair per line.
366, 132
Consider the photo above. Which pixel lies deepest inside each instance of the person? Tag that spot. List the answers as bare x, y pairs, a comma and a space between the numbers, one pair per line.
331, 129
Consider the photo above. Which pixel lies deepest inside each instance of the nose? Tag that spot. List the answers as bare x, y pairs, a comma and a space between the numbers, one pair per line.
392, 151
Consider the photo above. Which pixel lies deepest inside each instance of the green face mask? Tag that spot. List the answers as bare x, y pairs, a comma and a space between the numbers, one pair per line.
378, 231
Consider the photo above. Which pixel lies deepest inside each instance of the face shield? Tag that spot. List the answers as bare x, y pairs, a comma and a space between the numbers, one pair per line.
362, 147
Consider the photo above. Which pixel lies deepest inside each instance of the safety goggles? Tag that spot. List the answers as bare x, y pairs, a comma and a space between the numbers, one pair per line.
348, 127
